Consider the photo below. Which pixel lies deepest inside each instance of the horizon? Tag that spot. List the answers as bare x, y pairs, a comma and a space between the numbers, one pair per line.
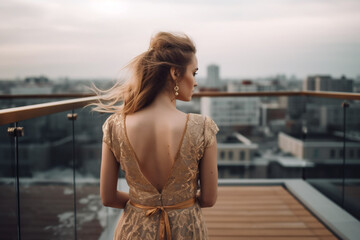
201, 79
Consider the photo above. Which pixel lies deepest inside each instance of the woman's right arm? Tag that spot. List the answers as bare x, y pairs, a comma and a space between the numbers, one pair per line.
110, 196
208, 177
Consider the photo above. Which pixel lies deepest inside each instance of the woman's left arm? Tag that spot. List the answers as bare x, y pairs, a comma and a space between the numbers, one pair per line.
208, 177
110, 196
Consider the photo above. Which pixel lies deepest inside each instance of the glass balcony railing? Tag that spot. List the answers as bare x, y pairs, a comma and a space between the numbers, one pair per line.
49, 177
8, 206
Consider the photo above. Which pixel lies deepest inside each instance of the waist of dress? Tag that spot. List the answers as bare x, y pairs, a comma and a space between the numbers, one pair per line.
164, 218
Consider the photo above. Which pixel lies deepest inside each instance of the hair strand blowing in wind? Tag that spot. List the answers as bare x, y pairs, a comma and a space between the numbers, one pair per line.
150, 74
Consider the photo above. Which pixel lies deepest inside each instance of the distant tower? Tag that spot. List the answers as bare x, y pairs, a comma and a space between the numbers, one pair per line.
213, 76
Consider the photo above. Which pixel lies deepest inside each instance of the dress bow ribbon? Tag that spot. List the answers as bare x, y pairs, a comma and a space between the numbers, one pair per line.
164, 218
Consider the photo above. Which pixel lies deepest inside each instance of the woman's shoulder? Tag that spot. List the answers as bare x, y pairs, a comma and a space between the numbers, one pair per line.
200, 117
114, 118
201, 120
204, 120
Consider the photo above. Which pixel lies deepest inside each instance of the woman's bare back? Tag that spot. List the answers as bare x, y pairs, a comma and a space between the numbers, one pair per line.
156, 139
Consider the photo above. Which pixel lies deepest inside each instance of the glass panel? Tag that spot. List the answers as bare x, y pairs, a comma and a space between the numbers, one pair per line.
8, 203
324, 146
46, 184
281, 121
92, 217
352, 160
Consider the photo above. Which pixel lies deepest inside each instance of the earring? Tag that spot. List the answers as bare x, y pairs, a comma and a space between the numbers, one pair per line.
176, 88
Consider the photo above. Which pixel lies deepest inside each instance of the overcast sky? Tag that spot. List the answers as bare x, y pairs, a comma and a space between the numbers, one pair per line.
252, 38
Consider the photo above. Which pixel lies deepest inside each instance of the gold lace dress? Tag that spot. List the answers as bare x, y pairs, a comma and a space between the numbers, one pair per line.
182, 184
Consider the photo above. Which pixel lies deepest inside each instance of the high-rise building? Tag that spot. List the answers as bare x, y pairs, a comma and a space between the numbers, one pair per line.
234, 111
213, 76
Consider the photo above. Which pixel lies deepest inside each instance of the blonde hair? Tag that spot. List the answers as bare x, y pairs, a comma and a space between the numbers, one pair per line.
150, 74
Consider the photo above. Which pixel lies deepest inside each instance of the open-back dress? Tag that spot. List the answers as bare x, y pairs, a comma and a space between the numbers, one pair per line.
182, 184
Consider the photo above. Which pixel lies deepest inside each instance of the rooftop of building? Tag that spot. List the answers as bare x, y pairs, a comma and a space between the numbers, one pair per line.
322, 137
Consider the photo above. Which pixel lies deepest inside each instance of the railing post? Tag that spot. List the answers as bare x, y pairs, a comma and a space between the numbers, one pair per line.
344, 105
72, 117
304, 132
17, 132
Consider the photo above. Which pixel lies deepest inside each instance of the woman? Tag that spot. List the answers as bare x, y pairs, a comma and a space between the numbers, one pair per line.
163, 151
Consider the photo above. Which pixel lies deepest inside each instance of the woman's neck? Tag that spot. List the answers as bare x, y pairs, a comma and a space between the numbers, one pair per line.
163, 101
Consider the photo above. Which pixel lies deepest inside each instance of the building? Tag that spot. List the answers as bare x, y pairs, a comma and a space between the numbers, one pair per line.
213, 76
237, 148
319, 148
272, 117
327, 83
233, 112
236, 155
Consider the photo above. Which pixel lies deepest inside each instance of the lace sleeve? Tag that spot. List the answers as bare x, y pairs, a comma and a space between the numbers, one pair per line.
107, 132
112, 138
210, 131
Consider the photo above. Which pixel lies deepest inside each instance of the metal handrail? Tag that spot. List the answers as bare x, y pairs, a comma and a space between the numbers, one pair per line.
27, 112
17, 114
46, 96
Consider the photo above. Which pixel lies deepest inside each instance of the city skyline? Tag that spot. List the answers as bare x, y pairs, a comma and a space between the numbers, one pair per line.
247, 39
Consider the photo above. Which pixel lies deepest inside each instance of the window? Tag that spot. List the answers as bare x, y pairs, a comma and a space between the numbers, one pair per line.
332, 153
222, 155
242, 155
230, 155
316, 153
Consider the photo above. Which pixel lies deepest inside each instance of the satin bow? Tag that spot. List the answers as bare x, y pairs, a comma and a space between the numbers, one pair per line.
164, 219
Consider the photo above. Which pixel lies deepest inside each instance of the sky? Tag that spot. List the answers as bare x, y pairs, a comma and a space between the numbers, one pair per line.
247, 39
